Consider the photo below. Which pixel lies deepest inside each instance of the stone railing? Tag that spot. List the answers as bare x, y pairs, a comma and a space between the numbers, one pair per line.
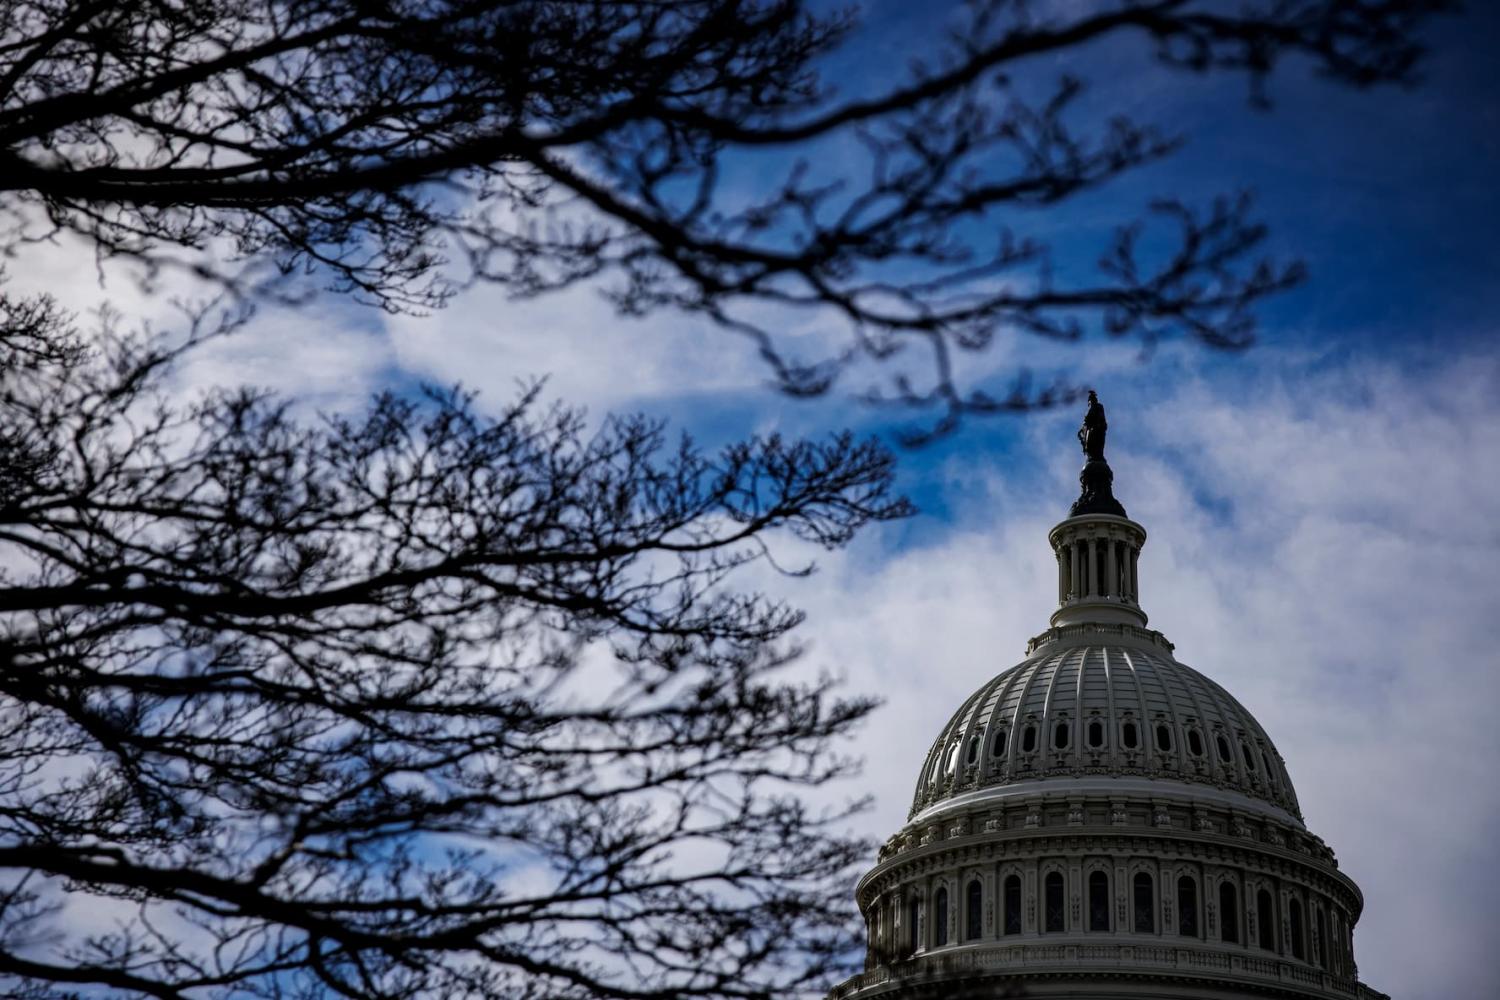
1120, 630
1133, 961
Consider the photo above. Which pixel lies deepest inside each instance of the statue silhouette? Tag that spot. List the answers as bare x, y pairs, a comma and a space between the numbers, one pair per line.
1096, 481
1091, 434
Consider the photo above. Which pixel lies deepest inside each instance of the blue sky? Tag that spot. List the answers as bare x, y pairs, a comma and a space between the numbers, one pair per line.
1387, 195
1322, 507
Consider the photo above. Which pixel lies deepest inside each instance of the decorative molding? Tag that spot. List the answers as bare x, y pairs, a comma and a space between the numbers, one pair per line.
1100, 963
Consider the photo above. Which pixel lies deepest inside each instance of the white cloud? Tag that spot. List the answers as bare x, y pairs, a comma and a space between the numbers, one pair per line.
589, 354
325, 354
322, 356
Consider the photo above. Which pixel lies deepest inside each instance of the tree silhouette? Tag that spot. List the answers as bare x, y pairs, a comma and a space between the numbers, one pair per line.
416, 703
398, 149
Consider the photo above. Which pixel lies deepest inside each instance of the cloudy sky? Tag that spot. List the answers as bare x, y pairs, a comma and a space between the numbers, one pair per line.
1323, 516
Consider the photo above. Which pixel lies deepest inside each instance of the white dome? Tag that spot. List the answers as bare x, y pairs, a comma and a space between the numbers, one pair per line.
1103, 707
1103, 821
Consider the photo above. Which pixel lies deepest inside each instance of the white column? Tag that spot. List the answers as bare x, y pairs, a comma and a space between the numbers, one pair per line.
1062, 578
1111, 571
1093, 587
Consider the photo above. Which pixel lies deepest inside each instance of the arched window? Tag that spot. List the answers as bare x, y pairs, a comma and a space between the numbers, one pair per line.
1098, 902
1322, 941
1229, 913
1060, 736
972, 754
1195, 743
1265, 920
940, 918
1145, 904
1187, 907
1128, 736
1294, 927
1013, 904
1163, 738
914, 924
974, 911
998, 747
1225, 755
1096, 734
1028, 739
1053, 902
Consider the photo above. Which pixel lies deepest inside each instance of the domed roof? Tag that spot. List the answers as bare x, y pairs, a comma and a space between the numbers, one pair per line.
1101, 820
1105, 704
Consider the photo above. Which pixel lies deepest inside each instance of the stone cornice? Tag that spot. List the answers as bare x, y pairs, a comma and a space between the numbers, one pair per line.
976, 845
1076, 958
1096, 633
1061, 784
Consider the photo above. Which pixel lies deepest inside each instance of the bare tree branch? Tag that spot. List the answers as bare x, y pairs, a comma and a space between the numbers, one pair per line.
400, 150
419, 702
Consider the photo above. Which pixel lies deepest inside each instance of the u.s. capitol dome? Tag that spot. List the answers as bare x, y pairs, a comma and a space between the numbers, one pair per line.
1103, 821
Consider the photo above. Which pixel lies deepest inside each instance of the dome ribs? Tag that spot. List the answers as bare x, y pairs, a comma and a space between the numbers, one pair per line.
1078, 680
1052, 717
1001, 765
1202, 724
1167, 677
1142, 721
1112, 719
1080, 737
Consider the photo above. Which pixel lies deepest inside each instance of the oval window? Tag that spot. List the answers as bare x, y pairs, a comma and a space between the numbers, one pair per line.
1028, 739
999, 747
973, 753
1224, 754
1060, 736
1163, 739
1096, 733
1128, 735
1195, 743
1249, 757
